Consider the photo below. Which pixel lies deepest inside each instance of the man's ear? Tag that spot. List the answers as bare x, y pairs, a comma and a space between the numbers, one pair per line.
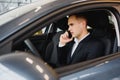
84, 23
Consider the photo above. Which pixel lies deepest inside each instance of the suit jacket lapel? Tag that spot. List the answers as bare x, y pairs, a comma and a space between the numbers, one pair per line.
80, 48
69, 52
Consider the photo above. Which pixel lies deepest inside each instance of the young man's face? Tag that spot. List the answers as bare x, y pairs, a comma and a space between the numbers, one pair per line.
76, 26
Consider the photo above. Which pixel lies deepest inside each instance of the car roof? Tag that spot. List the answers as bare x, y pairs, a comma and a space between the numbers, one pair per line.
11, 26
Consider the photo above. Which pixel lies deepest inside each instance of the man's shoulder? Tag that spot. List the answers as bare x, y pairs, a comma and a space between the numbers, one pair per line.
95, 40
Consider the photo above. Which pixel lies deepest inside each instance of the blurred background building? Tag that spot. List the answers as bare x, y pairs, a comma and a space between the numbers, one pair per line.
6, 5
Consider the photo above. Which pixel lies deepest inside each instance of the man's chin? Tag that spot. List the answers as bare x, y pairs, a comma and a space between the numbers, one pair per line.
73, 36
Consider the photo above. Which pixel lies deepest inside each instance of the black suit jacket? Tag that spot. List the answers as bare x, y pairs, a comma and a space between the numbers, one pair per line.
88, 48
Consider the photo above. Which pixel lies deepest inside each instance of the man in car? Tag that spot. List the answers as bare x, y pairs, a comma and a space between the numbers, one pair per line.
81, 46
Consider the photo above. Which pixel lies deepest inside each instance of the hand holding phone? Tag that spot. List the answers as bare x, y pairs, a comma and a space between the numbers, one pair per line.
65, 38
69, 34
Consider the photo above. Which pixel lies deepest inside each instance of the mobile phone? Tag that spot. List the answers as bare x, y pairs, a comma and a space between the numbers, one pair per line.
69, 34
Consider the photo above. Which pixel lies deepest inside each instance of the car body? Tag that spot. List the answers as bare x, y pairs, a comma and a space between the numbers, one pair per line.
25, 37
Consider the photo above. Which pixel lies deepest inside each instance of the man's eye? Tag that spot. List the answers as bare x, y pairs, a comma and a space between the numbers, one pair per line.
71, 24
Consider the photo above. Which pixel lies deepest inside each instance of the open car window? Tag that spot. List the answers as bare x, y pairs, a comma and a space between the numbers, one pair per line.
43, 42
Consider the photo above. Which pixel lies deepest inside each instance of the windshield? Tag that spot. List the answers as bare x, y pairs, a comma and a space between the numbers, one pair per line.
16, 12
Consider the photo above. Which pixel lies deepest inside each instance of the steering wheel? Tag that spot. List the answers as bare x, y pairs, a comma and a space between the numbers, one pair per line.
32, 47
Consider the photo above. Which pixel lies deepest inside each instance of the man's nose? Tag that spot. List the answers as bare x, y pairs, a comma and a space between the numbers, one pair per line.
69, 29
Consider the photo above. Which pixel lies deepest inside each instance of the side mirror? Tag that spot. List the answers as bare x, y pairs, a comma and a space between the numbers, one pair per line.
24, 66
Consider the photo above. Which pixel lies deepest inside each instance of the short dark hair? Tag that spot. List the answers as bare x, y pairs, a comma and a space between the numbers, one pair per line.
78, 15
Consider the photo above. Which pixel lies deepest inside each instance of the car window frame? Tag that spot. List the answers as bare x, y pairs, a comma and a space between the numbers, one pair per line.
117, 31
83, 10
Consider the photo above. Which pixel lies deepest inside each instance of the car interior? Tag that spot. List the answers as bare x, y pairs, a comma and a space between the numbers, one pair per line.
43, 42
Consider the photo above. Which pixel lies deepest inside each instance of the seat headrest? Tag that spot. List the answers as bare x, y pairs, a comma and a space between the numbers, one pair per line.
98, 20
62, 24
